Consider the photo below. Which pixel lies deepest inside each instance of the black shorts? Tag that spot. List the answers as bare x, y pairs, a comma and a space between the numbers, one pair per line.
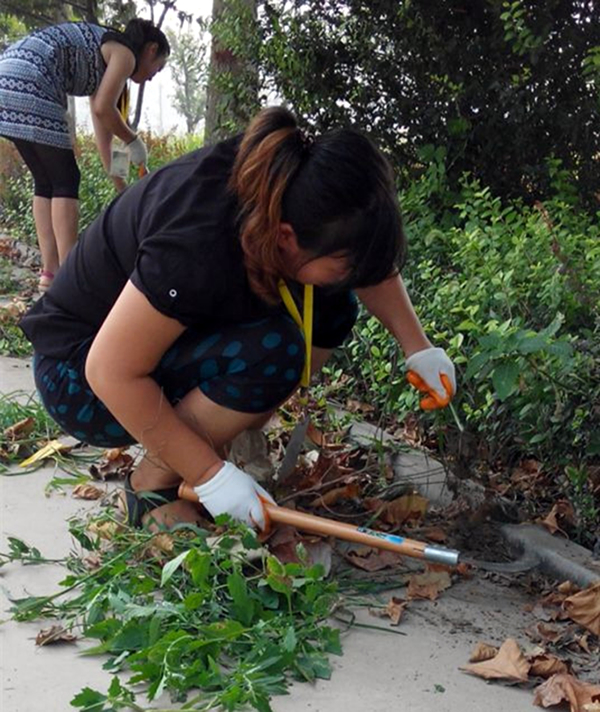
54, 170
250, 367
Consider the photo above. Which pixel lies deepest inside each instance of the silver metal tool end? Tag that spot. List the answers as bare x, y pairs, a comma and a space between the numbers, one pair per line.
440, 555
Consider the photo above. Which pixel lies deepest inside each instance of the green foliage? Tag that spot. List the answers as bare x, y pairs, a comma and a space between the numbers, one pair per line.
204, 618
513, 293
233, 90
501, 85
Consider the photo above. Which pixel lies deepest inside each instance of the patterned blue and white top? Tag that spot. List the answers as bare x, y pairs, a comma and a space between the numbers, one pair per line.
39, 71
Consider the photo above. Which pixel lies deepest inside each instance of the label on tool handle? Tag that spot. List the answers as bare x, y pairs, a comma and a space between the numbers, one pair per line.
394, 538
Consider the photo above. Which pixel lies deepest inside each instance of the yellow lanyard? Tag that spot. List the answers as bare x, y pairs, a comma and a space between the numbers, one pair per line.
123, 103
305, 325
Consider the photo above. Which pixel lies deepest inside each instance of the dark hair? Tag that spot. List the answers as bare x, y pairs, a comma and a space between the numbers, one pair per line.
141, 32
137, 35
336, 190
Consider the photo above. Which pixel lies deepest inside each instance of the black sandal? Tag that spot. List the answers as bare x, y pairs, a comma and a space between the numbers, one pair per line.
140, 503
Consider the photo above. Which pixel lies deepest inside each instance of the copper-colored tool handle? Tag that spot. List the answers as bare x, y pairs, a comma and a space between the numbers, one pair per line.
348, 532
142, 170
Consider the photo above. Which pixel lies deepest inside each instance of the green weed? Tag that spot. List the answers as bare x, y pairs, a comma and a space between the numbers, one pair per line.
205, 623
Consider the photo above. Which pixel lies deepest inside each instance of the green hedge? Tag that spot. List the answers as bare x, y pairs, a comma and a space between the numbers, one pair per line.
513, 293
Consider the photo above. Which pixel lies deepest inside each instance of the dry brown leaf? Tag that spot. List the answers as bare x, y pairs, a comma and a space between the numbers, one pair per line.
568, 588
428, 585
435, 534
394, 610
584, 643
117, 464
92, 561
86, 492
315, 435
19, 429
547, 665
349, 491
355, 406
561, 513
566, 688
592, 707
483, 651
508, 664
104, 530
548, 633
584, 608
55, 634
409, 507
370, 559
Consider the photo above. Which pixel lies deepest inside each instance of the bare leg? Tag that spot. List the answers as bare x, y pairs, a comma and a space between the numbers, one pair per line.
65, 220
42, 214
216, 425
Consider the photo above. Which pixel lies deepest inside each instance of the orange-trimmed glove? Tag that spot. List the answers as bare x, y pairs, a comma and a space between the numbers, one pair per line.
432, 372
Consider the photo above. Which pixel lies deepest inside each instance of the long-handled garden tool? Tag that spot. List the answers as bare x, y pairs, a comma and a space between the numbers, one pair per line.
313, 524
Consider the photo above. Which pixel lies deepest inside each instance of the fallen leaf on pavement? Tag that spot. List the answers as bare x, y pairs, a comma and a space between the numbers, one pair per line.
19, 429
548, 633
566, 688
428, 585
86, 492
370, 559
508, 664
568, 588
117, 464
547, 665
55, 634
483, 651
394, 609
584, 608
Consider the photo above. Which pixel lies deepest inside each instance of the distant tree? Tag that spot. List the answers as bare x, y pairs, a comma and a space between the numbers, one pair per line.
189, 70
233, 85
509, 88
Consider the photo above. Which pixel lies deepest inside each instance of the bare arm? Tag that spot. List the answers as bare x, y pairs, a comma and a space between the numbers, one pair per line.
390, 303
125, 352
120, 63
104, 141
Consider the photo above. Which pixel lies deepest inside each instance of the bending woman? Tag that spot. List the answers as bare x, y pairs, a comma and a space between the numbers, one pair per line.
166, 324
37, 74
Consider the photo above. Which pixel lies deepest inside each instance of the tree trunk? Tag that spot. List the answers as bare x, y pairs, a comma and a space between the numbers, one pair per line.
228, 113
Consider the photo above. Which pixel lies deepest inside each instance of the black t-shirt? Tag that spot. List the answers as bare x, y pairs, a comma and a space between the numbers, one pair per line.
175, 235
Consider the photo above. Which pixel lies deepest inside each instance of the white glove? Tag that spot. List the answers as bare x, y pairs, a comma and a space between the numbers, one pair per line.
138, 153
427, 371
232, 491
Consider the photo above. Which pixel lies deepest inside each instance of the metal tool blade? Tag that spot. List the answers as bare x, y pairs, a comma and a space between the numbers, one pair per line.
526, 562
292, 451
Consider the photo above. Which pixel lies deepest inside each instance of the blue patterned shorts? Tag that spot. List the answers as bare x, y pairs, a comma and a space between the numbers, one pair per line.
250, 367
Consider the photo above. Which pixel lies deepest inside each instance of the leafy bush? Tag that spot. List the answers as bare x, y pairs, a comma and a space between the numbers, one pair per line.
501, 85
513, 293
